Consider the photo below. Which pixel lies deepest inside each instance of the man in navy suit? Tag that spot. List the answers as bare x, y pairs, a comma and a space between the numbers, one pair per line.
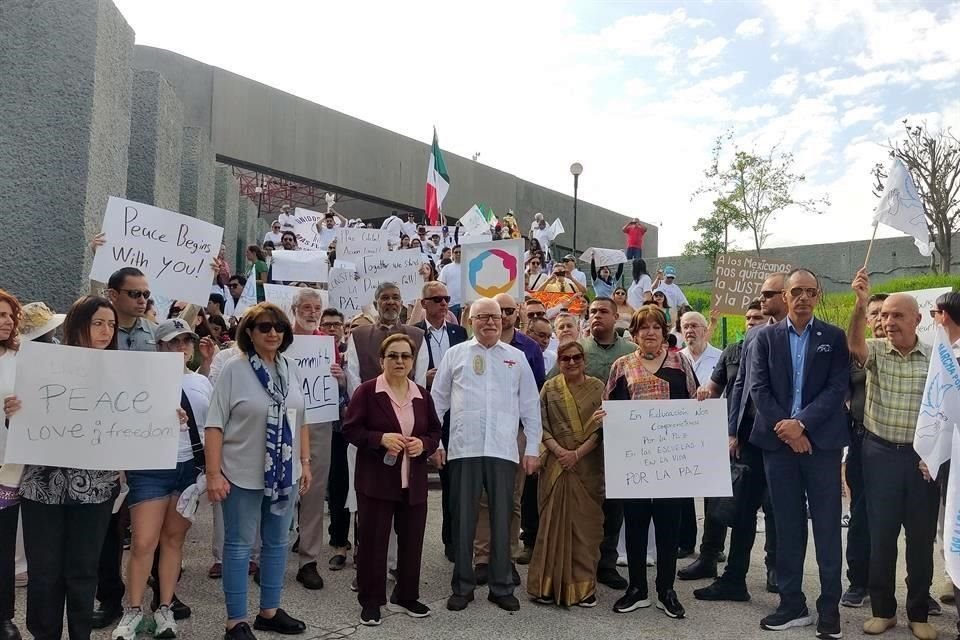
440, 336
800, 369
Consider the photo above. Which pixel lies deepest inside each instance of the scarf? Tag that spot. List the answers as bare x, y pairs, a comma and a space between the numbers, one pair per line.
278, 464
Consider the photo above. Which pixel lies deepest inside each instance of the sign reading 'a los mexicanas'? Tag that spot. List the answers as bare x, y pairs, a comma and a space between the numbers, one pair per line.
739, 278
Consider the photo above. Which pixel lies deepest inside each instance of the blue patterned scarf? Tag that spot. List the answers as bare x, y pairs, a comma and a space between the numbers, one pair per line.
278, 465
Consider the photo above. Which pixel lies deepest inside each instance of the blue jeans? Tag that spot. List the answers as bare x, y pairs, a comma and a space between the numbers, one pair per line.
634, 252
243, 509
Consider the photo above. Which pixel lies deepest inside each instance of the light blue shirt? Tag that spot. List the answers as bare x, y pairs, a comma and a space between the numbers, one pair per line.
798, 356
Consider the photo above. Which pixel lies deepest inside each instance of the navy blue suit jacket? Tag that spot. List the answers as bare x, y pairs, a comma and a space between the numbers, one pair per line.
739, 398
826, 378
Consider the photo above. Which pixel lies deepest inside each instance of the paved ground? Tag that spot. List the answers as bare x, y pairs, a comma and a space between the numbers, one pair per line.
333, 612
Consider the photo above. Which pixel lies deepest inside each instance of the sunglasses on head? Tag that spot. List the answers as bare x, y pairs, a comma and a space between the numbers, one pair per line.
438, 299
136, 294
576, 357
266, 327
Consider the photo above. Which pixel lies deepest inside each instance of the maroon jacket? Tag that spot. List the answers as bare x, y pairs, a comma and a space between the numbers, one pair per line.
369, 416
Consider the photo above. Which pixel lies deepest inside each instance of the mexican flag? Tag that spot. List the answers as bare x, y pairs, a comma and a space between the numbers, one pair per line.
438, 182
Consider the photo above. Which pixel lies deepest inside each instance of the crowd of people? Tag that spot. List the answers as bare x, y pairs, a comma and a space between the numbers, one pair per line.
503, 398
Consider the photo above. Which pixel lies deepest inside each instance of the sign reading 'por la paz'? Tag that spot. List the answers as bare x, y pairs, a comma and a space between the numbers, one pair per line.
666, 449
174, 251
96, 409
739, 278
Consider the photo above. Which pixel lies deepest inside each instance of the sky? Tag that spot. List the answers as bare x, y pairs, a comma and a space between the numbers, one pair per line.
636, 92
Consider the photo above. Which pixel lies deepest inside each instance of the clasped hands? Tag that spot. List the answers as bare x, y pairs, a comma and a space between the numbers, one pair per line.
792, 433
397, 442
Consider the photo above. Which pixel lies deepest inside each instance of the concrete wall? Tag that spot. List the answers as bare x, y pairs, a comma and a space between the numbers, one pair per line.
65, 99
256, 124
835, 263
156, 142
197, 175
226, 203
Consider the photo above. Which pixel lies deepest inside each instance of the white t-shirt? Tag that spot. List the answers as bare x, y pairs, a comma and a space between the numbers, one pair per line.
409, 229
673, 293
637, 289
198, 390
8, 374
286, 221
273, 237
705, 364
393, 227
579, 276
326, 236
450, 276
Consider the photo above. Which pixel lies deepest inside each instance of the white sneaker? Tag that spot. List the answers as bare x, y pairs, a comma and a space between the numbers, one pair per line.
129, 624
165, 623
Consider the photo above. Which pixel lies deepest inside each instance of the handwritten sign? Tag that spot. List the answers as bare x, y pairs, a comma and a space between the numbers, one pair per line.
490, 268
93, 409
604, 257
353, 244
927, 300
666, 449
739, 278
345, 292
174, 251
299, 266
282, 295
398, 267
305, 227
313, 356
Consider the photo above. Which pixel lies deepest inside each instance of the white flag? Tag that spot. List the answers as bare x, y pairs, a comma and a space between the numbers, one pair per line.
940, 406
951, 520
474, 222
248, 297
900, 207
556, 228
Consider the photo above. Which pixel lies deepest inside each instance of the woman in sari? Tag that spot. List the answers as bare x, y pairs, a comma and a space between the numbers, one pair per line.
565, 557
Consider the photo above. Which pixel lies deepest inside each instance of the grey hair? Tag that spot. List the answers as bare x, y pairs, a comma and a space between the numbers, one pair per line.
383, 286
694, 315
303, 293
475, 303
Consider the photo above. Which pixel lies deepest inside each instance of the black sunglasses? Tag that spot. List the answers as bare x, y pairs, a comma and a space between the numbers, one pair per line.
536, 314
508, 311
572, 358
136, 294
265, 327
770, 294
438, 299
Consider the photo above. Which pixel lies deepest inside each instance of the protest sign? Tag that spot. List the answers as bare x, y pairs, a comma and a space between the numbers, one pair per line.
927, 300
299, 266
738, 280
344, 291
569, 301
666, 449
305, 227
398, 267
321, 392
604, 257
490, 268
356, 243
282, 295
96, 409
473, 222
174, 251
248, 297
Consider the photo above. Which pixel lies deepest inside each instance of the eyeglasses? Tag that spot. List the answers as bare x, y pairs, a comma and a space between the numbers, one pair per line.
508, 311
575, 358
266, 327
398, 356
532, 315
486, 317
770, 294
136, 294
811, 292
438, 299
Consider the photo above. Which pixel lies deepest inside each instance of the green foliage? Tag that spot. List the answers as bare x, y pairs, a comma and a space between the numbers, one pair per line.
714, 232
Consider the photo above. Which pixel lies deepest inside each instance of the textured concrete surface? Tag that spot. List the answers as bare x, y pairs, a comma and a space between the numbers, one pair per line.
156, 142
226, 202
197, 175
333, 612
246, 223
65, 109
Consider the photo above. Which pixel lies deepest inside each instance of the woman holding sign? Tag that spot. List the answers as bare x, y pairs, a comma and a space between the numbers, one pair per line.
10, 317
652, 372
257, 451
565, 557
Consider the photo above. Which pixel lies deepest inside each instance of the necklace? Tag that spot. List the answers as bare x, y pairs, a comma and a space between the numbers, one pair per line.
650, 356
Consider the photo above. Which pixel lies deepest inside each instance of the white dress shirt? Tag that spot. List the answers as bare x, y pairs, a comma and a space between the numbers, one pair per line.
450, 276
488, 392
439, 341
705, 364
353, 367
549, 359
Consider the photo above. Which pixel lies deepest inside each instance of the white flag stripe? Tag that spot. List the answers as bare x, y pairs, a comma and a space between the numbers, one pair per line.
940, 405
900, 208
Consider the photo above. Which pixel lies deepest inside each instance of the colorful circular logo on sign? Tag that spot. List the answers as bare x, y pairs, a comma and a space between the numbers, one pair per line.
493, 258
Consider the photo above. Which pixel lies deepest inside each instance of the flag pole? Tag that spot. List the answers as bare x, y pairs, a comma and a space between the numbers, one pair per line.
870, 246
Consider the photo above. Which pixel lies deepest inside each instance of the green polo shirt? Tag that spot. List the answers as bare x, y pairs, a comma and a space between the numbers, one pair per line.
895, 385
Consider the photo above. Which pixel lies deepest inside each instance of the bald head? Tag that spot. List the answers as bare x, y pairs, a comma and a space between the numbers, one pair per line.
902, 300
509, 309
900, 317
772, 303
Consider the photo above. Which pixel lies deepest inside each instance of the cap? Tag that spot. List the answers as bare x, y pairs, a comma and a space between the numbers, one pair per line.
38, 320
170, 329
569, 257
669, 272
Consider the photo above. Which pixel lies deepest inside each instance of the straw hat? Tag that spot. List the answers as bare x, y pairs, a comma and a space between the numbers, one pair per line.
38, 320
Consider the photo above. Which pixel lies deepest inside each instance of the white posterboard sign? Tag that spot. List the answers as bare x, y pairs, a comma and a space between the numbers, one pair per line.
305, 228
299, 266
927, 300
353, 244
313, 356
666, 449
344, 291
489, 268
95, 409
398, 267
174, 251
604, 257
282, 295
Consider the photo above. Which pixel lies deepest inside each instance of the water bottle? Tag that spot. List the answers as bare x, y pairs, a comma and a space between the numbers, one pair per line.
390, 459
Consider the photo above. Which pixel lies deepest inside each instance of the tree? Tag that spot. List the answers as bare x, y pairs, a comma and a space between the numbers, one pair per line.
714, 232
933, 159
757, 187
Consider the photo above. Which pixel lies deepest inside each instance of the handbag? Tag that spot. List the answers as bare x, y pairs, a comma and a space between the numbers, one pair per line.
726, 510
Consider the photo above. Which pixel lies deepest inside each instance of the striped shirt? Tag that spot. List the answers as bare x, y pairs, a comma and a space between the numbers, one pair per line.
894, 389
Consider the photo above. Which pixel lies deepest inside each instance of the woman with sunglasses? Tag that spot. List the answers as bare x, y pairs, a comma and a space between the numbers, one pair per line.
564, 565
624, 310
392, 422
257, 448
534, 277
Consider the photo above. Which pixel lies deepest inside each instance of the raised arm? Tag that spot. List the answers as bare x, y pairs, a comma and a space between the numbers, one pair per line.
857, 335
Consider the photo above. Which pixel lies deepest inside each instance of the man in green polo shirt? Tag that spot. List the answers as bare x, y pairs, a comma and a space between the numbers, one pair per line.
896, 492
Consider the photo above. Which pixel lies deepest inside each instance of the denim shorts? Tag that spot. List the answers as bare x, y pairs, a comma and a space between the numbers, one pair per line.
160, 483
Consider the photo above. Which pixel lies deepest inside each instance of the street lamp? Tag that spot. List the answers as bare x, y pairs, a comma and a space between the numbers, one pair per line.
576, 169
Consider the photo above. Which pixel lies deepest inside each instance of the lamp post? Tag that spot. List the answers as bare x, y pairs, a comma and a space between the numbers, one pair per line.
576, 169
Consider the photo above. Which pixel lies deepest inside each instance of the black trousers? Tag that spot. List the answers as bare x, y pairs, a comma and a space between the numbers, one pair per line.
338, 485
714, 534
529, 512
858, 531
62, 545
687, 532
665, 513
446, 525
375, 517
612, 523
898, 496
110, 588
8, 560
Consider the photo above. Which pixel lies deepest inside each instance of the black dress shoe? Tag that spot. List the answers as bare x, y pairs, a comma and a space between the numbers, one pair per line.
612, 578
309, 577
723, 591
9, 631
702, 567
281, 622
240, 631
105, 615
338, 562
684, 552
481, 572
772, 580
515, 574
459, 603
507, 603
